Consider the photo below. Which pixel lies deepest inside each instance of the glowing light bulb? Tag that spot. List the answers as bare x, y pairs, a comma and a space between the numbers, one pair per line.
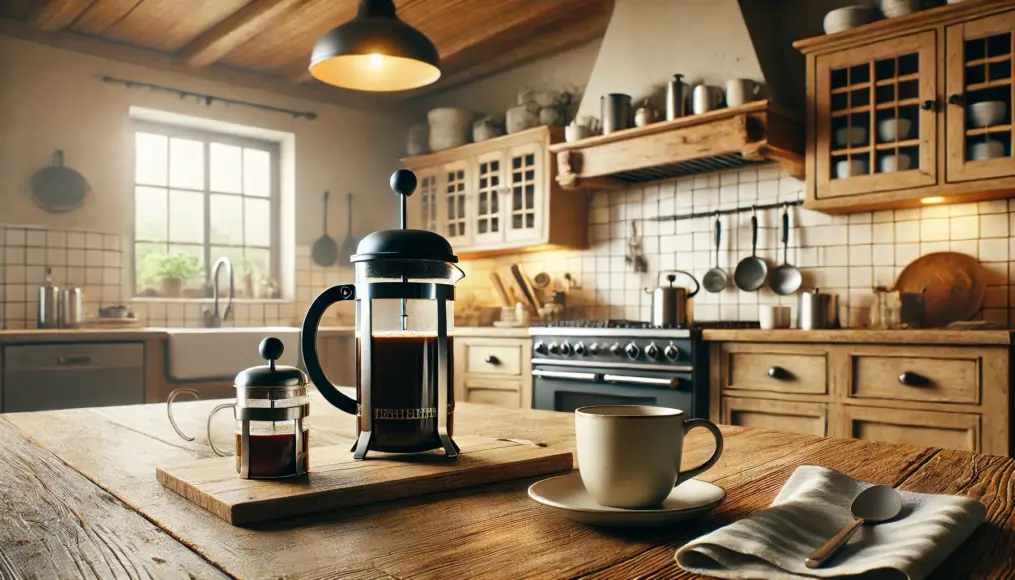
376, 61
934, 199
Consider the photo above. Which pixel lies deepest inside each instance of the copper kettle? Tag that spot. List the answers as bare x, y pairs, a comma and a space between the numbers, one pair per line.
670, 304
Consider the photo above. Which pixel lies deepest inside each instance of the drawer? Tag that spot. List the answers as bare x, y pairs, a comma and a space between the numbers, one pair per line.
493, 392
806, 418
924, 428
796, 369
74, 356
928, 374
493, 359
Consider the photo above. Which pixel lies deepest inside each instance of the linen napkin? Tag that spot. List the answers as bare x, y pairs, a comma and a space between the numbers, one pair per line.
811, 508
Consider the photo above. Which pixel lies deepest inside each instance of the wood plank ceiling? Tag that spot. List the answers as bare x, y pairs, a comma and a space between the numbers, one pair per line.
267, 43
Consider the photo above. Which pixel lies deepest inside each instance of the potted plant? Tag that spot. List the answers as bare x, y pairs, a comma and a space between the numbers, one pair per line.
174, 270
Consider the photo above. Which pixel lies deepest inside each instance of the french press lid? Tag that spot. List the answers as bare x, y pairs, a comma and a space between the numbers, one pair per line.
404, 243
271, 374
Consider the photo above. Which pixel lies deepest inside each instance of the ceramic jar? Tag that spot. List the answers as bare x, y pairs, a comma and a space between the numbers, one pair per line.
449, 127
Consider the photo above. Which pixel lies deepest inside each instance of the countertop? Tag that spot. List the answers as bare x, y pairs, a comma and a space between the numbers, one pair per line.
64, 471
865, 336
492, 331
36, 335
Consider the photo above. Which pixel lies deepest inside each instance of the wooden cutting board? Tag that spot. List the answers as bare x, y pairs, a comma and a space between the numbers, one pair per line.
336, 480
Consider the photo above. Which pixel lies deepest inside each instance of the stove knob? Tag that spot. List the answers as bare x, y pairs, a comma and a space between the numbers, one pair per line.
652, 351
565, 348
540, 347
579, 349
632, 351
594, 348
553, 348
616, 349
672, 352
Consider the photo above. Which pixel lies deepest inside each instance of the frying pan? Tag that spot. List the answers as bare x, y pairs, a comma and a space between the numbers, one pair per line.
716, 279
59, 189
350, 243
786, 279
325, 251
953, 286
752, 271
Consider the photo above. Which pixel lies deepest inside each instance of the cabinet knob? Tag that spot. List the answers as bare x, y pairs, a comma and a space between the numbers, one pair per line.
957, 99
779, 373
911, 379
492, 360
928, 105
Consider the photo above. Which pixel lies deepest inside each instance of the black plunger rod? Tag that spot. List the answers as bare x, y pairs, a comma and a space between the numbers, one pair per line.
403, 183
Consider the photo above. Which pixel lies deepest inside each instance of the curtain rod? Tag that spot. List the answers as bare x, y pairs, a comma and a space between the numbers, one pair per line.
209, 99
688, 216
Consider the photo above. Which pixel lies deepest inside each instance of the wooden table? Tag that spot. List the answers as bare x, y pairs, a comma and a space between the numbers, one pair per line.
73, 486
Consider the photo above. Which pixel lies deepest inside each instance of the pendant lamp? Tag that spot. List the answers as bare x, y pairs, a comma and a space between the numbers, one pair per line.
375, 51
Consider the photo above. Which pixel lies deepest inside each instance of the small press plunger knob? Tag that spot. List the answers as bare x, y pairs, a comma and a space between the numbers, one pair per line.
403, 182
271, 350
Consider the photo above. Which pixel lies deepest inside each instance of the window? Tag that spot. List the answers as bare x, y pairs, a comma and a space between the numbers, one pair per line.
199, 196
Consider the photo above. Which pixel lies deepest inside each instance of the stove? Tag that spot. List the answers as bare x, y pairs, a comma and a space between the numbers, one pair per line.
621, 362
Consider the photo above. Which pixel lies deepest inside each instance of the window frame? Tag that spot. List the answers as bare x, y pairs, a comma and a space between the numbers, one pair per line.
273, 149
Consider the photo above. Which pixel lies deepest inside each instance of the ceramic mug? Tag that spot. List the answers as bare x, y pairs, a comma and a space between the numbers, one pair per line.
705, 98
741, 91
629, 455
770, 317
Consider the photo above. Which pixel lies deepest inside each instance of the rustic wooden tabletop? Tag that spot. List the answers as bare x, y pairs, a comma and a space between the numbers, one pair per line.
80, 500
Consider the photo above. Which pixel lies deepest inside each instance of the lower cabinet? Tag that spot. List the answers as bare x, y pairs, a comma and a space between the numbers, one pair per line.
953, 397
493, 371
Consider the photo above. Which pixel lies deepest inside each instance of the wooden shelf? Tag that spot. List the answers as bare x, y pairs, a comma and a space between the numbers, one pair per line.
899, 103
988, 130
851, 88
989, 85
900, 79
723, 139
897, 144
851, 111
859, 150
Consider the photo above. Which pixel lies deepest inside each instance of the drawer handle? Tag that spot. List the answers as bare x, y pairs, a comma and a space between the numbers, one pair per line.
779, 374
911, 379
492, 360
74, 359
672, 383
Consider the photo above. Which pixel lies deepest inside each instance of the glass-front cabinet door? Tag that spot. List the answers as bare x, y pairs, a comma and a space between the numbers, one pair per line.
979, 89
428, 197
457, 212
876, 117
525, 210
488, 187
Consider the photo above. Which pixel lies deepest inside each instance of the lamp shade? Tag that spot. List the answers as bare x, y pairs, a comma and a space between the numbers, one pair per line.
375, 51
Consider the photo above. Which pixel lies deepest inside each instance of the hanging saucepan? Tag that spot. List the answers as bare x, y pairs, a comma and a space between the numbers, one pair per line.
752, 271
59, 189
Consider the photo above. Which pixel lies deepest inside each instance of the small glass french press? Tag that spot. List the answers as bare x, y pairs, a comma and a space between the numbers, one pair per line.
272, 439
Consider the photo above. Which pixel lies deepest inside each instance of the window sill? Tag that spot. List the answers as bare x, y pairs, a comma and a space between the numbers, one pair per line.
222, 300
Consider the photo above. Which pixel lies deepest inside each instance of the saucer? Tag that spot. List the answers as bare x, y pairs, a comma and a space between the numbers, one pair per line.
567, 495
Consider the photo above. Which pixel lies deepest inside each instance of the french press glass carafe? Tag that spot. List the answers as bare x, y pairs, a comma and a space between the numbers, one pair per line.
404, 295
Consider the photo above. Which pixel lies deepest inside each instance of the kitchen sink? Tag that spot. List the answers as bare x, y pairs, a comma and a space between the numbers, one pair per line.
221, 353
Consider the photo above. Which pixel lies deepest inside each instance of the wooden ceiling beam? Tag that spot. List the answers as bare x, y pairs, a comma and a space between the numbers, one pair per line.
56, 14
102, 15
227, 35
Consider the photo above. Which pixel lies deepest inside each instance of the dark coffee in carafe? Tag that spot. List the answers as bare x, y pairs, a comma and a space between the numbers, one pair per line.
404, 383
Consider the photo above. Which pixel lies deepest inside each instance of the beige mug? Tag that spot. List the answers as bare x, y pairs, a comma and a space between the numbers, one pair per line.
741, 91
629, 455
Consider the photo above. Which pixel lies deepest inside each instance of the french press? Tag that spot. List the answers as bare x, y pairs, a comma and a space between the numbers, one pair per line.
404, 294
272, 437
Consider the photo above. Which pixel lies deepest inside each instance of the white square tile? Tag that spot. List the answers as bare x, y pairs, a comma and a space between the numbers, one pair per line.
911, 213
994, 206
964, 227
906, 253
860, 255
836, 277
932, 247
883, 216
14, 254
15, 237
36, 238
14, 274
729, 178
883, 254
906, 232
768, 190
56, 256
93, 241
883, 233
994, 225
35, 256
884, 276
76, 240
860, 233
961, 209
934, 230
834, 256
967, 247
747, 192
934, 211
56, 239
994, 250
861, 277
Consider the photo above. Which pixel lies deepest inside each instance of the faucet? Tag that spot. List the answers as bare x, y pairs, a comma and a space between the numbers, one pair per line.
211, 317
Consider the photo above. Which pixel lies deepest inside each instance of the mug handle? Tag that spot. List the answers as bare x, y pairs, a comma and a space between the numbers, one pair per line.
169, 410
211, 416
308, 344
691, 424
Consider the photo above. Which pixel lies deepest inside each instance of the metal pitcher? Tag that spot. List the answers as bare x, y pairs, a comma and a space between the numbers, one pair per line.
670, 304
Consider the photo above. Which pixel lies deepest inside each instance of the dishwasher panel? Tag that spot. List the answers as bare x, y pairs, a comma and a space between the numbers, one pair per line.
42, 377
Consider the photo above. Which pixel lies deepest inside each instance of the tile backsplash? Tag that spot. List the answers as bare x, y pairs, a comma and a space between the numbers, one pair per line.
847, 254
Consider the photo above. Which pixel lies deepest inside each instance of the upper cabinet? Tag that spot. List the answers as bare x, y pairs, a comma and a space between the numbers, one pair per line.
911, 110
498, 196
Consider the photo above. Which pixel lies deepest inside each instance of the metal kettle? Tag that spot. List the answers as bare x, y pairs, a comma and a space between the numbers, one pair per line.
670, 306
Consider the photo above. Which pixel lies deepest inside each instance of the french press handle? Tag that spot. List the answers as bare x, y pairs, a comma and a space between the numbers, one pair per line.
308, 345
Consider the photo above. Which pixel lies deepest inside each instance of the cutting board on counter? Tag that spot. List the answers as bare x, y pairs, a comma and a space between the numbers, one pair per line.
336, 480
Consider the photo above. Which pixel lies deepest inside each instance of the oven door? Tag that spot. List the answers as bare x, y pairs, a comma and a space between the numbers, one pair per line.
567, 388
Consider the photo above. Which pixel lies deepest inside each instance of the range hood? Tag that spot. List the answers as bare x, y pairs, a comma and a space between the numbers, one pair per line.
757, 132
